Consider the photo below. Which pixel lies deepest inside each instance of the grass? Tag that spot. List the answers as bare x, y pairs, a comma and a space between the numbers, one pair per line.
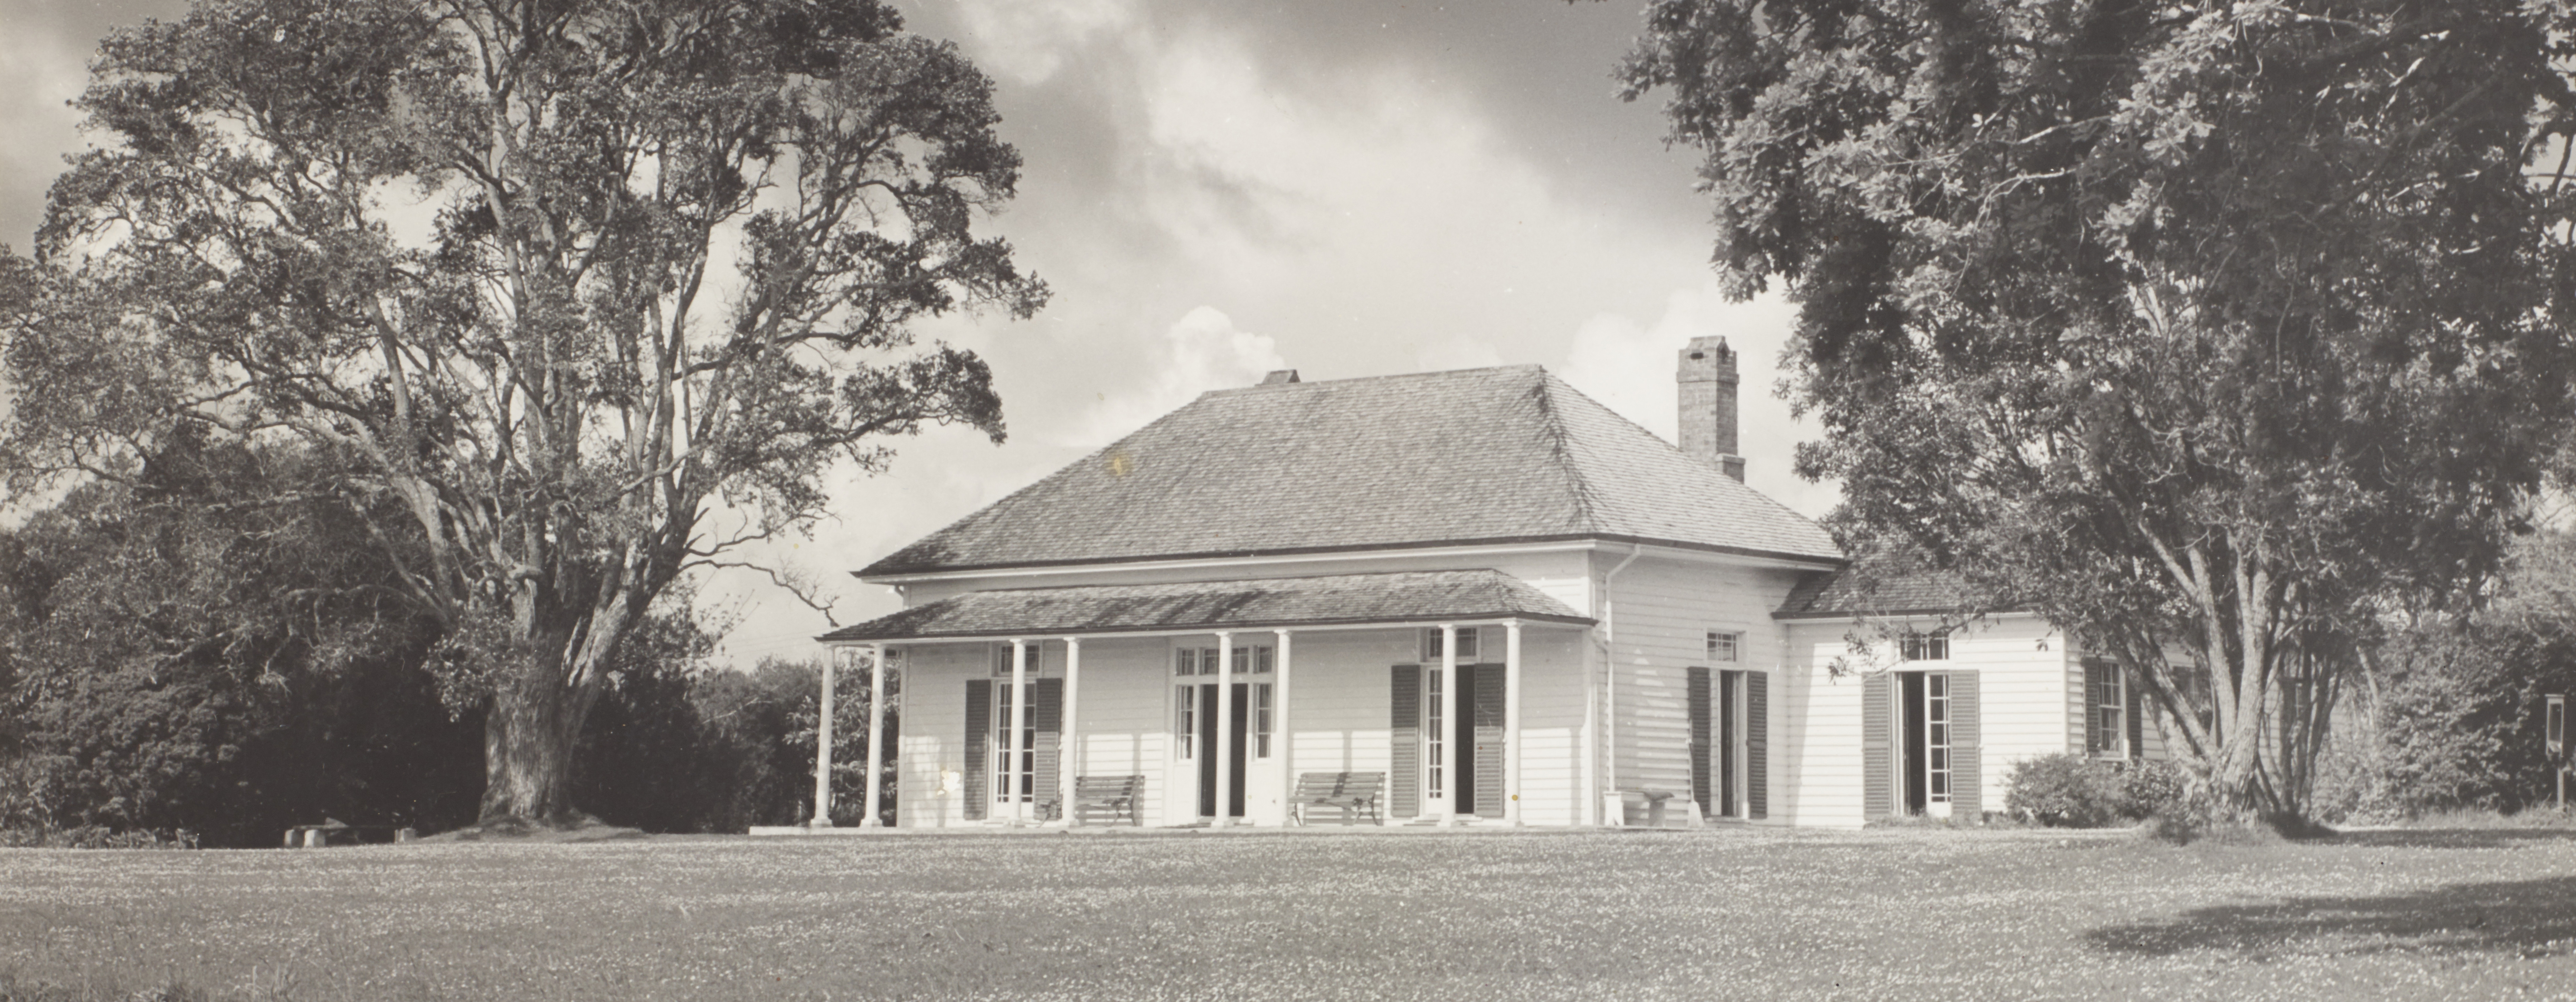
2415, 913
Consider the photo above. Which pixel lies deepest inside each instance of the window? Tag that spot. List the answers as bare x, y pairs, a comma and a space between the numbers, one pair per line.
1024, 777
1936, 735
1432, 732
1185, 731
2107, 696
1002, 659
1725, 647
1248, 660
1261, 720
1933, 646
1466, 644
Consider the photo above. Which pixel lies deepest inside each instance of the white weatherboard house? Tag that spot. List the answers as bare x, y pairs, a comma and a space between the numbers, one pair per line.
1485, 597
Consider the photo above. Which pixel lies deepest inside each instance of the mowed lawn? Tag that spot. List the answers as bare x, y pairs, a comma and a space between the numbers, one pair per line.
1713, 914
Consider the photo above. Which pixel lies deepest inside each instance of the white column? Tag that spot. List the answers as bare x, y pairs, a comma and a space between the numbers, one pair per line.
823, 748
1283, 740
876, 734
1512, 723
1588, 801
1019, 726
1224, 728
1070, 738
1449, 778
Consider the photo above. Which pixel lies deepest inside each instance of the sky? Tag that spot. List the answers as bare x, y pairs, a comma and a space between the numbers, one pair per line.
1214, 190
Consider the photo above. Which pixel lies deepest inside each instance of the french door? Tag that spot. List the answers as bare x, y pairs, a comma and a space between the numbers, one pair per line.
1197, 706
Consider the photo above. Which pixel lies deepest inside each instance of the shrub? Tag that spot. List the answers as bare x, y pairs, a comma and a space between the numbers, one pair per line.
2072, 791
2064, 790
2149, 789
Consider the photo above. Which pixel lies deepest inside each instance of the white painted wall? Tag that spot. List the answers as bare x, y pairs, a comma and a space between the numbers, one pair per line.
1658, 612
2025, 704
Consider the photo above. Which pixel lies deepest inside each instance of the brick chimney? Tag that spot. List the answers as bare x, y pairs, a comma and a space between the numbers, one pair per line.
1708, 381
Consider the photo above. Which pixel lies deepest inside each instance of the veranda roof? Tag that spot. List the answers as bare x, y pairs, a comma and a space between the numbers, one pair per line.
1889, 584
1265, 603
1478, 456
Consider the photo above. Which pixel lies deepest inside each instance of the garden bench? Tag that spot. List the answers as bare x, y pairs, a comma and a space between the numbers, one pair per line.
1349, 792
317, 836
1101, 798
1661, 808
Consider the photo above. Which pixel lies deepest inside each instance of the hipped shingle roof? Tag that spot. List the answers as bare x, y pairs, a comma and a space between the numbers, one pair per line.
1271, 603
1507, 454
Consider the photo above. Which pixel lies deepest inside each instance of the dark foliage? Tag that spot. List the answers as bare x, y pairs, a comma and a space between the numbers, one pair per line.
217, 650
674, 750
2077, 792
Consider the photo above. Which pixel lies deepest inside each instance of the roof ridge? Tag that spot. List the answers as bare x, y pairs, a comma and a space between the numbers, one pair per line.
1347, 380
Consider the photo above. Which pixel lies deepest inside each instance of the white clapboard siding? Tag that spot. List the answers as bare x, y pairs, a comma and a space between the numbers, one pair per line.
1664, 608
1815, 731
1124, 711
2020, 661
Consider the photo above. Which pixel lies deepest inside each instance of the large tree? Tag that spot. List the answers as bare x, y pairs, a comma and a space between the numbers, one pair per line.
594, 291
2213, 331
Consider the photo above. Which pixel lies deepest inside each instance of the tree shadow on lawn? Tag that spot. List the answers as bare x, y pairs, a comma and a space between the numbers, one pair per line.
2533, 918
2448, 838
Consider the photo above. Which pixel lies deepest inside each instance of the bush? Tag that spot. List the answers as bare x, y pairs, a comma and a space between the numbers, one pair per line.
2072, 791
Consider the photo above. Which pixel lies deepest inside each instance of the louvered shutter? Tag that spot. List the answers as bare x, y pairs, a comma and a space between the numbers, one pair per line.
1878, 746
1702, 748
1046, 712
1967, 781
2137, 721
2079, 719
979, 746
1404, 741
1488, 714
1757, 744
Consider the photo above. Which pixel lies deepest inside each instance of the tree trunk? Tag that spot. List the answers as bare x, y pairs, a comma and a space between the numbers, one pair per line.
528, 743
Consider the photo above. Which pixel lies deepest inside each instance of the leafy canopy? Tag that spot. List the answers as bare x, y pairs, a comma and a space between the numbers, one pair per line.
560, 282
2197, 327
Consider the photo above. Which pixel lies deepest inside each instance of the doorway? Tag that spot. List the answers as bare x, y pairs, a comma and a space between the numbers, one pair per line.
1204, 703
1923, 741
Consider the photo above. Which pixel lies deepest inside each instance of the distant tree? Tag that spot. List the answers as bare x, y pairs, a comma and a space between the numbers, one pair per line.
2213, 332
677, 746
2450, 714
215, 647
587, 293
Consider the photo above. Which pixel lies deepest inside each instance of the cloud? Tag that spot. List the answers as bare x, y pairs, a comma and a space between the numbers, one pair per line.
1628, 366
1202, 351
1027, 41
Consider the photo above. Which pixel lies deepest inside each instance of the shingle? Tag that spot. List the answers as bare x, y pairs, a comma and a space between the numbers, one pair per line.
1900, 583
1478, 455
1413, 597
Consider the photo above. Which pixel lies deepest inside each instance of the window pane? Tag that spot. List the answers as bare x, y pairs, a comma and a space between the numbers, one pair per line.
1940, 758
1941, 785
1940, 734
1466, 643
1185, 662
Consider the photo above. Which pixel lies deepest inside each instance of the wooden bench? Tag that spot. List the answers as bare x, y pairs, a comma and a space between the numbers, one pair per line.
1099, 798
1349, 792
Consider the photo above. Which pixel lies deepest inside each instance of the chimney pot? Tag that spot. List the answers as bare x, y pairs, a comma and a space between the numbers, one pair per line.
1279, 377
